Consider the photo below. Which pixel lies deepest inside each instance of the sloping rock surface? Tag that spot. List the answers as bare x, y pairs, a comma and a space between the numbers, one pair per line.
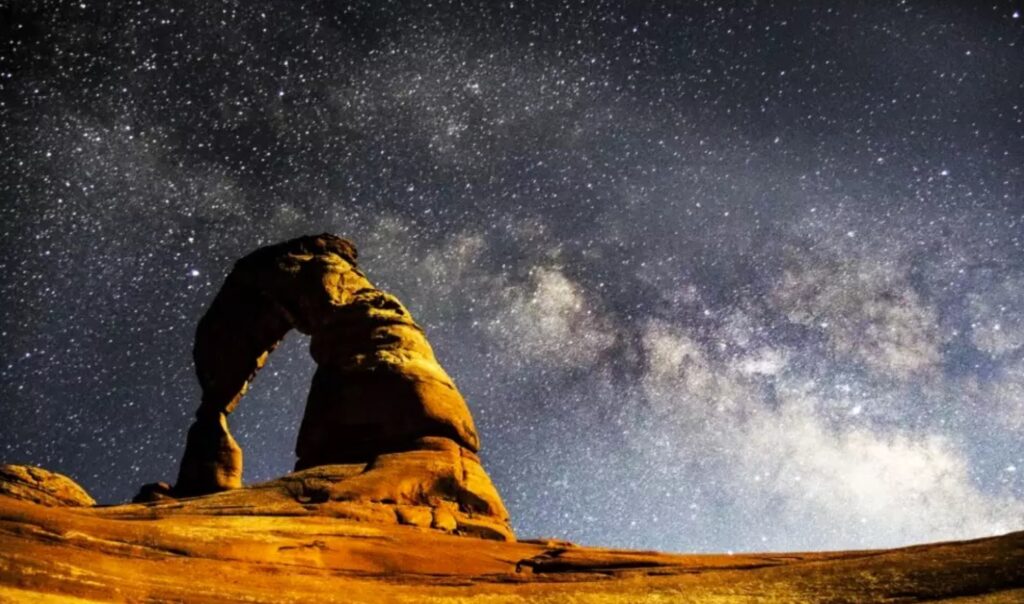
290, 540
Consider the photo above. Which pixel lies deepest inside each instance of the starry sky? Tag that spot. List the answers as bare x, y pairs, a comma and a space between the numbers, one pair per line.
712, 276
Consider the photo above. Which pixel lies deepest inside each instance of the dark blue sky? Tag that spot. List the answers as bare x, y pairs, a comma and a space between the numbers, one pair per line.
710, 277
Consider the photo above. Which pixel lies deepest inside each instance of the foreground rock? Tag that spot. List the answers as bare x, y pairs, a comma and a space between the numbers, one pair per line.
268, 544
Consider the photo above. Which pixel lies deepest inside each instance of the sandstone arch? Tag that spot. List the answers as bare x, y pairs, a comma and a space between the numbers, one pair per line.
378, 390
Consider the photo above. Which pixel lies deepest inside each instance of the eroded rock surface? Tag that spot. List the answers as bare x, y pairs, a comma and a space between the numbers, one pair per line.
438, 486
44, 487
379, 399
274, 543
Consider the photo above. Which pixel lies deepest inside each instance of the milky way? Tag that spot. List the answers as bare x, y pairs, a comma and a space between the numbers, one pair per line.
711, 278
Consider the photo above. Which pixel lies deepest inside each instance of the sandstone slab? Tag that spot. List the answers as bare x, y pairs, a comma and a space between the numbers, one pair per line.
259, 545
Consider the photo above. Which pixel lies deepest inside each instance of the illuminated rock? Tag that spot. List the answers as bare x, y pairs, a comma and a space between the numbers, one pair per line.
44, 487
379, 400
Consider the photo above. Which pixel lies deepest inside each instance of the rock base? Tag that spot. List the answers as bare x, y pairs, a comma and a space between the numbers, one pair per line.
438, 485
378, 532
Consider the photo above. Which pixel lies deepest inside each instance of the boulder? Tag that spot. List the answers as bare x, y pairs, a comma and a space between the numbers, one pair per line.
153, 491
44, 487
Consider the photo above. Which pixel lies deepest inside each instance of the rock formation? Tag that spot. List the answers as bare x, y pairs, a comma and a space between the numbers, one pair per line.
379, 400
41, 486
263, 544
387, 467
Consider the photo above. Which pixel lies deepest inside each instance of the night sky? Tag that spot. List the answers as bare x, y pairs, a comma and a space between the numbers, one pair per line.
710, 278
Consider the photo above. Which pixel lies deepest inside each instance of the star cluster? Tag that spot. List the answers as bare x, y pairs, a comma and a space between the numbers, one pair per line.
711, 276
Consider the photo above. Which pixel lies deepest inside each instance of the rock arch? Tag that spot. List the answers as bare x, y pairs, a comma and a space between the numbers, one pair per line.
377, 389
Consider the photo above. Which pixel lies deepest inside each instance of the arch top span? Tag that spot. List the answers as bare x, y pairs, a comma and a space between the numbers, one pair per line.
378, 387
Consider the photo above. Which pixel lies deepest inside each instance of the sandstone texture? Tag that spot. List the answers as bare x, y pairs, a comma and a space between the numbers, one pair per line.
41, 486
290, 540
438, 486
379, 401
